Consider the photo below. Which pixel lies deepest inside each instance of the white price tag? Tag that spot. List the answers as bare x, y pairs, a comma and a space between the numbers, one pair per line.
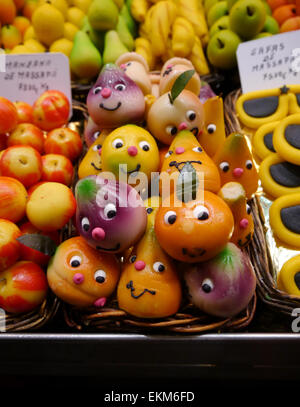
269, 62
27, 76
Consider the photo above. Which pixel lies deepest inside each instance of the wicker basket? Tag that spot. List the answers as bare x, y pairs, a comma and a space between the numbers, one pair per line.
261, 258
40, 316
189, 319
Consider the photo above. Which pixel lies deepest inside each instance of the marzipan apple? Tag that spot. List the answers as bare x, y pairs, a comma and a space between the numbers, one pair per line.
247, 18
221, 49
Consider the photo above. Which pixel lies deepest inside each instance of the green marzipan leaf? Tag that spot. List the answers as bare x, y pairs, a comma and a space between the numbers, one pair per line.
181, 83
38, 242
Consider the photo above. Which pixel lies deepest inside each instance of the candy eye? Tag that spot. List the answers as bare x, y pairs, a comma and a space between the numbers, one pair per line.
110, 211
149, 210
191, 115
118, 143
201, 212
158, 266
172, 130
132, 259
170, 217
168, 154
144, 145
224, 166
97, 90
211, 128
97, 147
85, 224
120, 87
96, 135
100, 276
249, 164
197, 149
248, 209
207, 285
75, 261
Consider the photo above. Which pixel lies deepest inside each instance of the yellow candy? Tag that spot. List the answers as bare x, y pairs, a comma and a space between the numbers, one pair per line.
285, 219
286, 139
278, 177
289, 276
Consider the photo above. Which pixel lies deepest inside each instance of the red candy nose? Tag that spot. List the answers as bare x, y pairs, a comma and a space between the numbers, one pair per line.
238, 172
78, 278
132, 150
98, 234
182, 126
105, 92
244, 223
139, 265
179, 150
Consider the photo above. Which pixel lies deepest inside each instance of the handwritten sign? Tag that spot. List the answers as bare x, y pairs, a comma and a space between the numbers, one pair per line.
269, 62
27, 76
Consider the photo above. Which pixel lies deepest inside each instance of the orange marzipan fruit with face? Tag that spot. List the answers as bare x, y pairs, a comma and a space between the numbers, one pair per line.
186, 148
149, 286
196, 230
82, 276
234, 195
213, 134
235, 163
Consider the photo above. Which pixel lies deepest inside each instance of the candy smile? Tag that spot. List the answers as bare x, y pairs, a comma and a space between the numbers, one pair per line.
117, 247
132, 289
198, 252
110, 109
95, 166
137, 168
247, 239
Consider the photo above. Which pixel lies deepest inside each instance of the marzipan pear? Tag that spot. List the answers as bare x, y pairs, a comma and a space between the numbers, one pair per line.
85, 59
97, 37
125, 34
113, 47
103, 14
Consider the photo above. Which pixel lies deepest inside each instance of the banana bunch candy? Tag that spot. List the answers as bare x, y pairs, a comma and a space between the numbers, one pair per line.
171, 28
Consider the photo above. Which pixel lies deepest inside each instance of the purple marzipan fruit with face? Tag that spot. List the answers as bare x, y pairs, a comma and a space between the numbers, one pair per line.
224, 285
91, 132
115, 99
110, 215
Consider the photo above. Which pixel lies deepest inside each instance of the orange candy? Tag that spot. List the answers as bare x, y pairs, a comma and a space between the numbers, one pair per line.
235, 162
291, 24
283, 13
194, 231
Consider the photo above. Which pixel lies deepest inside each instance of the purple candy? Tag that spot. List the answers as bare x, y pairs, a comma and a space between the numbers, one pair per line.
115, 99
224, 285
110, 215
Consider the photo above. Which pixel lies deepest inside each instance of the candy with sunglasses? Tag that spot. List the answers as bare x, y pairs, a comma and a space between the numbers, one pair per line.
262, 141
286, 138
260, 107
285, 219
279, 177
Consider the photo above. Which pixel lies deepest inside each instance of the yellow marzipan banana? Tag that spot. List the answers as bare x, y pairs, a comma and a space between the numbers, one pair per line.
191, 11
139, 9
162, 18
198, 59
143, 47
183, 37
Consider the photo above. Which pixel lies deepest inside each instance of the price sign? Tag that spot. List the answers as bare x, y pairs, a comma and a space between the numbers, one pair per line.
25, 77
269, 62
